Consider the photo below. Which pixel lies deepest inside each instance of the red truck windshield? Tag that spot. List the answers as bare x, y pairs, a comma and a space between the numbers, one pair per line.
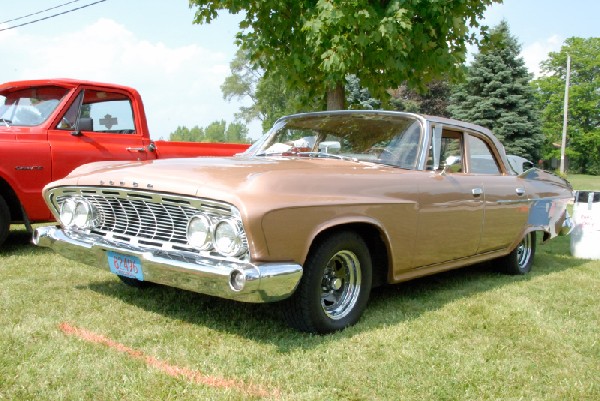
30, 106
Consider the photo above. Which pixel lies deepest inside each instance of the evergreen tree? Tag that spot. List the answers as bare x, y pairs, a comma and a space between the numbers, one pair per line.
498, 96
359, 98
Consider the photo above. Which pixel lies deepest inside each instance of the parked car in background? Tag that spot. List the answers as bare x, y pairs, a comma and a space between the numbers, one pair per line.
317, 212
50, 126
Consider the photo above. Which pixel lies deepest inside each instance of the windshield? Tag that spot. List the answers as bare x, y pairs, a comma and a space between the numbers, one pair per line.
30, 106
378, 138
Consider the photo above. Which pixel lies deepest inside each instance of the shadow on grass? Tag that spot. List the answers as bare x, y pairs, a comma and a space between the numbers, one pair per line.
388, 305
19, 242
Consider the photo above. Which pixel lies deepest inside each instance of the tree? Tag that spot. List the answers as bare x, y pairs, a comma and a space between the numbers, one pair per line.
185, 134
497, 95
242, 84
269, 95
313, 45
583, 134
217, 131
433, 101
357, 97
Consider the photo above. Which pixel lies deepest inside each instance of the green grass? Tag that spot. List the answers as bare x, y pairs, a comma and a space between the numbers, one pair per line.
584, 182
470, 334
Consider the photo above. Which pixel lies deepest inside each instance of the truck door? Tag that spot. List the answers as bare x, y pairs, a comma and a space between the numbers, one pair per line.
99, 125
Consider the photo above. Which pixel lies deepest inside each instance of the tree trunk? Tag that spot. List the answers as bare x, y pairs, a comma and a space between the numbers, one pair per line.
336, 97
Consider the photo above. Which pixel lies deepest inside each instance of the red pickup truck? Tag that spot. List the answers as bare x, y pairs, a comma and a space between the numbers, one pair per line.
48, 127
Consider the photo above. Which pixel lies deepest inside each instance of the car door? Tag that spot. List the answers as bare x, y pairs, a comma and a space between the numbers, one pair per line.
506, 200
98, 125
451, 208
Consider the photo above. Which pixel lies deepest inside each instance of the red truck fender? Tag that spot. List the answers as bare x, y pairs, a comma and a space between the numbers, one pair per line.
48, 127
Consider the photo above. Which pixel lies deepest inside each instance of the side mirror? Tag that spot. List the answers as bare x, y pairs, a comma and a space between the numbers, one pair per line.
83, 124
330, 147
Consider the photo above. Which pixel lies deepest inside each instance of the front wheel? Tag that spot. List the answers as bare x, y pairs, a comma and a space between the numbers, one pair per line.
334, 288
519, 261
4, 220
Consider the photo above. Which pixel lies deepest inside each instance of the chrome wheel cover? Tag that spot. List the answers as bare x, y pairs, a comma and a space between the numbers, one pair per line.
340, 285
524, 251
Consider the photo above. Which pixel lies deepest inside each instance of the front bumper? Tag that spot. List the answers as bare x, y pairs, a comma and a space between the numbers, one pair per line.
265, 282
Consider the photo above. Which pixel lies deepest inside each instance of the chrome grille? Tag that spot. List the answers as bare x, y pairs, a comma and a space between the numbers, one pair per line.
143, 218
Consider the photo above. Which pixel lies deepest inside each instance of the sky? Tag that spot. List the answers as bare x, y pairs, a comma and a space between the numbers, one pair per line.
178, 67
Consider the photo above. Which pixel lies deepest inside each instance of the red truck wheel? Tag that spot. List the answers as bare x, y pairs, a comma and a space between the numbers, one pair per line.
4, 220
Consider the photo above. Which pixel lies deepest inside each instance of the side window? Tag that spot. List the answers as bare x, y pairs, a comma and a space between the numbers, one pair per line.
481, 159
69, 119
451, 152
100, 111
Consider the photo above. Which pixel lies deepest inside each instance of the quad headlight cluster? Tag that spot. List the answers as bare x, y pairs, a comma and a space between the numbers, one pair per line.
225, 235
211, 232
77, 213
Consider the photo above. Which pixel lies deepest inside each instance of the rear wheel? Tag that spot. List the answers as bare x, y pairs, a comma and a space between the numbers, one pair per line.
519, 261
4, 220
334, 288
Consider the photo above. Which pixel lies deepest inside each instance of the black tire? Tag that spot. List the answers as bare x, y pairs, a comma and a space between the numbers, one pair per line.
132, 282
520, 260
335, 286
4, 220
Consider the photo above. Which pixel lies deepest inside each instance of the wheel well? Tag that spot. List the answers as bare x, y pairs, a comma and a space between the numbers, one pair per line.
375, 242
14, 206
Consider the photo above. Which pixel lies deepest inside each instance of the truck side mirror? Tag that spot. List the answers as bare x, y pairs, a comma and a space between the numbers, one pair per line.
83, 124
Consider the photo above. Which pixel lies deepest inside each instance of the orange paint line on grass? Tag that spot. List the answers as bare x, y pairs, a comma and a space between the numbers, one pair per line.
191, 375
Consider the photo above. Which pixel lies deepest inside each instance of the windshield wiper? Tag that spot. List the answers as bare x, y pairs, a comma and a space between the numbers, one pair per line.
6, 121
309, 154
327, 155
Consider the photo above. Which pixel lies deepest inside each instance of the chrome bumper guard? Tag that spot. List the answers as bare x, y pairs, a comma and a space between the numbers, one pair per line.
567, 225
264, 282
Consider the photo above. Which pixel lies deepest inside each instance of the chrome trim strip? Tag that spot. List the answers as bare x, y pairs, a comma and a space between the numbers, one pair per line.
266, 282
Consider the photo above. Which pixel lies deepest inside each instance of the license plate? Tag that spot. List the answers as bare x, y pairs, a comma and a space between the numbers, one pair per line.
125, 265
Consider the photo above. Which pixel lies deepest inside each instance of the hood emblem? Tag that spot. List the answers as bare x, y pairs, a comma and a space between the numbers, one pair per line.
123, 183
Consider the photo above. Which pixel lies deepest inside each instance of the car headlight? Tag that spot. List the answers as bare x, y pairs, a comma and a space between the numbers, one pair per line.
229, 238
198, 232
77, 213
67, 211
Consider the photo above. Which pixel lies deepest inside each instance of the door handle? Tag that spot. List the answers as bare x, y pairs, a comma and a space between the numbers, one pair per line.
520, 191
477, 192
130, 149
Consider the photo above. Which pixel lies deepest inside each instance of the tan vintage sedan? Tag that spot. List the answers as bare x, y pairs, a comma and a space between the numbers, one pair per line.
321, 209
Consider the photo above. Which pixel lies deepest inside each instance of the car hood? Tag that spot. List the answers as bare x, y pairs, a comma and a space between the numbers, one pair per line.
228, 179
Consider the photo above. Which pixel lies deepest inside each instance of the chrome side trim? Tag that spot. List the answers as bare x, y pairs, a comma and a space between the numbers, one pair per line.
266, 282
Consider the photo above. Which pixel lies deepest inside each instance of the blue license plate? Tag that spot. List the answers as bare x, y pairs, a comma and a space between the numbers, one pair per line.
125, 265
